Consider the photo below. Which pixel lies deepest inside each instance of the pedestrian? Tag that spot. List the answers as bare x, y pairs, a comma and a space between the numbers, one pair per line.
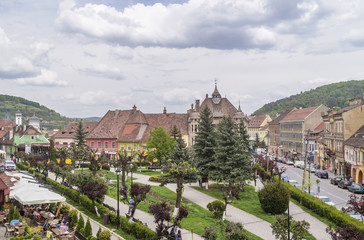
131, 205
175, 231
179, 235
335, 171
351, 179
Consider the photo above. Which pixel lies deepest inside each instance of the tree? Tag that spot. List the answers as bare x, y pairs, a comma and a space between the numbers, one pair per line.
233, 231
122, 162
52, 151
81, 223
274, 198
162, 216
95, 190
95, 164
88, 229
205, 145
297, 228
179, 166
138, 193
356, 204
80, 136
161, 143
232, 159
345, 233
216, 208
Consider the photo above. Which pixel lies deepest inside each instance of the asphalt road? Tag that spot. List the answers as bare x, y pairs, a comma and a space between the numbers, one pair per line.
337, 195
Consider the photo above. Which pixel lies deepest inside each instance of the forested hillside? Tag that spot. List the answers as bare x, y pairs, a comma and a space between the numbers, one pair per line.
332, 95
10, 104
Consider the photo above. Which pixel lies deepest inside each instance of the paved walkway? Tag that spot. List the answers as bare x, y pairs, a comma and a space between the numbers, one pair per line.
317, 228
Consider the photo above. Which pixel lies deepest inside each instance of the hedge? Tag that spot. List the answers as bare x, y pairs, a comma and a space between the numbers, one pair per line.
136, 229
331, 213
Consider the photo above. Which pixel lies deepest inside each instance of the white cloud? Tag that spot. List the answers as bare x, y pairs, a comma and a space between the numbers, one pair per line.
46, 78
102, 70
178, 95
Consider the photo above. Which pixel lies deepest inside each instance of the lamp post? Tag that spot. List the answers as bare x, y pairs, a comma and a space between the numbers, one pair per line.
131, 173
117, 183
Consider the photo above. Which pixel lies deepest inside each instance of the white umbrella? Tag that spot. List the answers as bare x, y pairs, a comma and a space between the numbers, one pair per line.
38, 196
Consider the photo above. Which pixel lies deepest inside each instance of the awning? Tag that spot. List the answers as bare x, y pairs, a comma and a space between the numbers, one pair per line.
38, 196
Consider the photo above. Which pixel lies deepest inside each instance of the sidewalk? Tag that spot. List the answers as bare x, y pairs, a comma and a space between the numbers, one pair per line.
251, 223
317, 228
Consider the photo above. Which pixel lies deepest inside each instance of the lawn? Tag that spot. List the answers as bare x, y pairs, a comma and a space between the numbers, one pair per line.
249, 202
198, 217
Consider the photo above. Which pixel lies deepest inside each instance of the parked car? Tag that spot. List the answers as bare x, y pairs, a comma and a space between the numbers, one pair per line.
344, 184
9, 166
335, 180
293, 182
353, 214
356, 188
285, 177
284, 160
326, 200
289, 162
311, 169
298, 164
280, 160
322, 174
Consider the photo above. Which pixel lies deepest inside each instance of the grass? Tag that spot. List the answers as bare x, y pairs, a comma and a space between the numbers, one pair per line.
145, 171
198, 217
249, 202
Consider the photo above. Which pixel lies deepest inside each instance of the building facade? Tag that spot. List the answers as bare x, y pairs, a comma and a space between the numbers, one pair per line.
354, 155
340, 125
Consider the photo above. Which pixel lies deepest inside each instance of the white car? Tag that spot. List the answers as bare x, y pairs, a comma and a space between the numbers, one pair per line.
293, 182
289, 162
10, 166
298, 164
326, 200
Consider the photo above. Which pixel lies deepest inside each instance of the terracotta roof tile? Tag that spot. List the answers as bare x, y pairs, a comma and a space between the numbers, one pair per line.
5, 126
357, 139
71, 129
282, 115
257, 121
5, 178
224, 108
299, 114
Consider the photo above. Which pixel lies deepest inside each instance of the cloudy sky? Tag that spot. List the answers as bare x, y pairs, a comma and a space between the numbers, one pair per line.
82, 58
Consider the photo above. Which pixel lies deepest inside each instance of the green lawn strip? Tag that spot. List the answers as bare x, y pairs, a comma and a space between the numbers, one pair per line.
93, 216
322, 219
249, 202
145, 171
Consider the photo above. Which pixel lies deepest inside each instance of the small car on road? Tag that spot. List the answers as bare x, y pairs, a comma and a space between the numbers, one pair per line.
352, 214
322, 174
335, 180
10, 166
326, 200
289, 162
356, 188
344, 184
293, 182
285, 177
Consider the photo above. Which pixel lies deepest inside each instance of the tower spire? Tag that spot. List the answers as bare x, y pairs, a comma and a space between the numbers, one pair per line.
239, 108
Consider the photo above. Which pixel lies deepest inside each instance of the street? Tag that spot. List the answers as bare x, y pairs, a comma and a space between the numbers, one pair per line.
337, 195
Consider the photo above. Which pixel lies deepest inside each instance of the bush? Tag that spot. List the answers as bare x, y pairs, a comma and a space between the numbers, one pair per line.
93, 238
88, 229
216, 208
98, 233
74, 217
106, 166
155, 178
80, 224
11, 213
105, 235
210, 233
274, 198
16, 214
65, 208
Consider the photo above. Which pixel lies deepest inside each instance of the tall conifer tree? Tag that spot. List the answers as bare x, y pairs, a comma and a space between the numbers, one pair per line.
80, 136
205, 145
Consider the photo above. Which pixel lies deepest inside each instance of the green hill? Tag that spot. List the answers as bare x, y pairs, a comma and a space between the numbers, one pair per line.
50, 118
331, 95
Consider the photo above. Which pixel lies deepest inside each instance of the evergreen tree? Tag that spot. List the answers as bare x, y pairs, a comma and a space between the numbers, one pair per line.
81, 223
52, 151
204, 145
232, 160
80, 136
179, 165
88, 229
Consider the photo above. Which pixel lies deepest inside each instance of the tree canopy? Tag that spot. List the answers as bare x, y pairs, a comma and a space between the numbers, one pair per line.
160, 144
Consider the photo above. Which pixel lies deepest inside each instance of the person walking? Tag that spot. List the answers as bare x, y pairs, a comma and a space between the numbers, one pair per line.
131, 205
179, 235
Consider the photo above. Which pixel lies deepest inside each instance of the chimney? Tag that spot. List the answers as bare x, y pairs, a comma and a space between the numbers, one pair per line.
164, 110
197, 104
207, 95
11, 134
134, 108
192, 106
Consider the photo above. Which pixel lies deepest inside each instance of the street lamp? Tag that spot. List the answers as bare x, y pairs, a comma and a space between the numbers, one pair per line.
117, 183
131, 173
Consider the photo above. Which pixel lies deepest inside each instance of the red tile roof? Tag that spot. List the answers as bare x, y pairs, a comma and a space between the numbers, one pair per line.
5, 178
5, 126
71, 129
256, 121
299, 114
357, 139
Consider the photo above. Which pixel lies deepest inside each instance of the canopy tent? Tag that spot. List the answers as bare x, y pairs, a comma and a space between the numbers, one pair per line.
2, 152
39, 195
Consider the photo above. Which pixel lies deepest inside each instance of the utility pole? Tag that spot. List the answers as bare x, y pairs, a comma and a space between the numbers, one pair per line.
305, 163
288, 235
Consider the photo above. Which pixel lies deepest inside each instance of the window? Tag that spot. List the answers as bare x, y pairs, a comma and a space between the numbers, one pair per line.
106, 144
99, 145
113, 144
65, 143
129, 147
92, 145
122, 147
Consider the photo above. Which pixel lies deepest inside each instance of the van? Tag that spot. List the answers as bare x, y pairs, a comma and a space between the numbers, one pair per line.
298, 164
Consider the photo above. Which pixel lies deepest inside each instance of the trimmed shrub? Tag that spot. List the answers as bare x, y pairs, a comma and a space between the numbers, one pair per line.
65, 208
98, 233
216, 208
74, 217
105, 235
274, 198
88, 229
80, 224
106, 166
155, 178
16, 214
11, 213
210, 233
